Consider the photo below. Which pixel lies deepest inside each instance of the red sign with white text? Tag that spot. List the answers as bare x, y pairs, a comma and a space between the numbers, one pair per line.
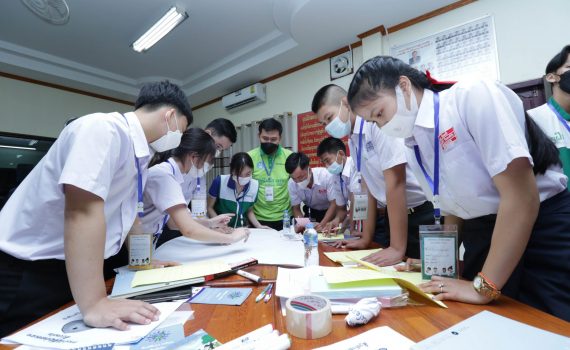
309, 134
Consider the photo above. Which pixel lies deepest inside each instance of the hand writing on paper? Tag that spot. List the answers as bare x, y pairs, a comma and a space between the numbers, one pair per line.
220, 221
156, 264
412, 265
352, 244
240, 233
117, 312
453, 289
385, 257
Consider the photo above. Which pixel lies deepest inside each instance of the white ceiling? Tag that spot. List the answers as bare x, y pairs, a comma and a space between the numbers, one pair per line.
223, 45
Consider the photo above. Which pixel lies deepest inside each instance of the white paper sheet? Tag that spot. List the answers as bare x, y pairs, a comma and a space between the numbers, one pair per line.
66, 330
267, 246
377, 338
487, 330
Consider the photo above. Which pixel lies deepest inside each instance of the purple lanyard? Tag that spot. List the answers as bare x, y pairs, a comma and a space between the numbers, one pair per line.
433, 184
560, 117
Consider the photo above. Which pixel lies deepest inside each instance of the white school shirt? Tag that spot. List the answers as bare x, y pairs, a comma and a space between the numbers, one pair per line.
162, 191
381, 152
319, 196
348, 178
481, 130
95, 153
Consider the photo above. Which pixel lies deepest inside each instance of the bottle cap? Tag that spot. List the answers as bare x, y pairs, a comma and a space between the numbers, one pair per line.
309, 225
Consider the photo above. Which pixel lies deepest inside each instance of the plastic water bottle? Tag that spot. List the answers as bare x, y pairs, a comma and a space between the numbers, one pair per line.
286, 223
311, 241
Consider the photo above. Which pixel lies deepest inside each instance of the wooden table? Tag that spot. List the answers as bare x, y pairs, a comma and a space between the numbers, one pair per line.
415, 322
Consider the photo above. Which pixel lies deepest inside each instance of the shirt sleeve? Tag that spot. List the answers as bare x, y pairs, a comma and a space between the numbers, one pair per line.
215, 187
293, 193
163, 189
94, 149
494, 117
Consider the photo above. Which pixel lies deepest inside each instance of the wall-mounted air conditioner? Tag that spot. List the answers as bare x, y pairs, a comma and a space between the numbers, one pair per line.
250, 95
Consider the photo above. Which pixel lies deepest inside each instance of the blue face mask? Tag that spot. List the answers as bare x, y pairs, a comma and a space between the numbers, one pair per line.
337, 128
335, 168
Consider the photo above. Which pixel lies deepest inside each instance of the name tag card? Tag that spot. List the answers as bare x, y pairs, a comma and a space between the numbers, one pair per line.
269, 193
439, 250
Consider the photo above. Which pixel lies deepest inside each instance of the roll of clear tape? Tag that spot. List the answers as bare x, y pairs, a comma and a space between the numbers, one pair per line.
308, 316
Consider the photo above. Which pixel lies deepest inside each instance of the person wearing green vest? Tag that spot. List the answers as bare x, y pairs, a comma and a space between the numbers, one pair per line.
235, 193
553, 117
269, 170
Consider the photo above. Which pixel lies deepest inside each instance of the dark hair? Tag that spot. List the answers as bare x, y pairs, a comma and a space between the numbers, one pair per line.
155, 95
270, 124
239, 161
330, 145
541, 148
384, 72
194, 140
328, 94
296, 159
223, 127
558, 60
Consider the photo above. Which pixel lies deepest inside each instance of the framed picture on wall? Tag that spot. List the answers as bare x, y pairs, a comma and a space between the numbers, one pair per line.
341, 65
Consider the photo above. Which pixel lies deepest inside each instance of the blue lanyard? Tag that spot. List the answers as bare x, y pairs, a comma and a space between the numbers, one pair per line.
433, 184
342, 187
359, 149
560, 117
239, 208
271, 164
198, 185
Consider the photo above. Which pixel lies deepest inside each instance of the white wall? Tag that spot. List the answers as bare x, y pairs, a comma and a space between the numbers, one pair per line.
32, 109
528, 34
291, 93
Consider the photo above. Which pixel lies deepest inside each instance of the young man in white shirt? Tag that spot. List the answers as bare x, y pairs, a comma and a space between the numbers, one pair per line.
76, 207
313, 187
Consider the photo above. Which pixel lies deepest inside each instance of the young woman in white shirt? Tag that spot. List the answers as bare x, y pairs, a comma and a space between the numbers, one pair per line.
497, 171
164, 202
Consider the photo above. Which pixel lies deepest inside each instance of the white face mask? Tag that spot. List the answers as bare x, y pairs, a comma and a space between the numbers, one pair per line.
303, 184
335, 168
168, 141
403, 121
196, 173
242, 180
337, 128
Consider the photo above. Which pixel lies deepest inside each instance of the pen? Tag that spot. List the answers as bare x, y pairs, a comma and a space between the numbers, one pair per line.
249, 276
268, 293
262, 294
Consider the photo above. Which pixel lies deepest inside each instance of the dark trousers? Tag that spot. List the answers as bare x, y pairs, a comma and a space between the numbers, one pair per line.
166, 235
542, 277
316, 215
420, 215
32, 289
276, 225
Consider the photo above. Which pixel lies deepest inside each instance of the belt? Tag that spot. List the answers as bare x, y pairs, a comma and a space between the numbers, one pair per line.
424, 205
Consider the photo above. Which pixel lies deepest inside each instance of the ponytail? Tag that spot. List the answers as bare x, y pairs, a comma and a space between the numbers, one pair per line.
542, 150
384, 72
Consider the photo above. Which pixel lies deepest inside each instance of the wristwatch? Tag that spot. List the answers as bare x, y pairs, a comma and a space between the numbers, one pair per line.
484, 286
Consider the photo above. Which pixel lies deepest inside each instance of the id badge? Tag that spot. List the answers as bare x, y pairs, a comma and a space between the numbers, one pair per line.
269, 193
360, 206
140, 251
198, 208
439, 250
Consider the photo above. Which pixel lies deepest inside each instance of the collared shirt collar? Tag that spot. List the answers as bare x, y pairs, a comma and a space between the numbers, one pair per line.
425, 111
347, 167
357, 122
177, 172
559, 108
137, 134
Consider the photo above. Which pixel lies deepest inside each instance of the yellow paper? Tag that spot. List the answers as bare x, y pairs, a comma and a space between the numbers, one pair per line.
337, 237
180, 272
348, 256
409, 280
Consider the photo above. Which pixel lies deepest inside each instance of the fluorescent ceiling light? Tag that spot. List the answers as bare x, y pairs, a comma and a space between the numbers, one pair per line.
164, 25
18, 147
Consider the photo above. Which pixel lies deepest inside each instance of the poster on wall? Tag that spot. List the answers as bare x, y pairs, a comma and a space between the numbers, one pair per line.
309, 134
465, 51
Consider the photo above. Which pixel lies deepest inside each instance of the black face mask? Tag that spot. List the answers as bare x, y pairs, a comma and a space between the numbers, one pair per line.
268, 147
564, 82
